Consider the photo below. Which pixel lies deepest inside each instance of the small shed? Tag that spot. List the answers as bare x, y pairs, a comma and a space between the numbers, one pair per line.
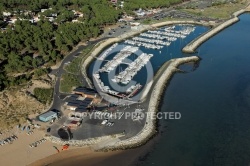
48, 116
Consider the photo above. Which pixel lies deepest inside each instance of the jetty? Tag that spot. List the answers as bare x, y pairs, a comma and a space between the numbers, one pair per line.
192, 46
149, 128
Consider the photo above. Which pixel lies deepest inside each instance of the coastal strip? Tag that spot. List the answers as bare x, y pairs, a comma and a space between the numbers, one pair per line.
149, 128
193, 45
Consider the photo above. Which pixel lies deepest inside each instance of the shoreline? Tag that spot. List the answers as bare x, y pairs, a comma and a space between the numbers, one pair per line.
116, 151
103, 46
149, 129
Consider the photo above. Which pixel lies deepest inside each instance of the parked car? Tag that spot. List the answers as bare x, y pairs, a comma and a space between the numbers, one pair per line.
104, 122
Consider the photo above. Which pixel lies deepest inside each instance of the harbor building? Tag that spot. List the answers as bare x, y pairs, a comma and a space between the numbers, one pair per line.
78, 104
85, 92
50, 115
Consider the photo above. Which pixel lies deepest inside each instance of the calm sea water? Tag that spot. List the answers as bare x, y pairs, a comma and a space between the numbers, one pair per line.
214, 101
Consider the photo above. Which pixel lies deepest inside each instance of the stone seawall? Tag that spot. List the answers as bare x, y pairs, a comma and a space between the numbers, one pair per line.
84, 142
183, 22
150, 126
193, 45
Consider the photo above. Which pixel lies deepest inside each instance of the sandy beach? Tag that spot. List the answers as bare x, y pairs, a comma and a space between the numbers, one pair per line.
19, 153
87, 156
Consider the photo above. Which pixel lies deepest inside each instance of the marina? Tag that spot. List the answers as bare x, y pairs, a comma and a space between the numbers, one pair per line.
130, 92
122, 72
124, 53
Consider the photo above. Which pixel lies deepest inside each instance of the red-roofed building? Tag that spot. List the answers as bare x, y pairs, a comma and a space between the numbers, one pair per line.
113, 1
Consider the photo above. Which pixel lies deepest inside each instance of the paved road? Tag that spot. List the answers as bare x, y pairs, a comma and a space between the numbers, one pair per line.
57, 97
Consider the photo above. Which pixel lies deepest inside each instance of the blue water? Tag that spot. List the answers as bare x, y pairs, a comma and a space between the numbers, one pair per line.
214, 101
159, 58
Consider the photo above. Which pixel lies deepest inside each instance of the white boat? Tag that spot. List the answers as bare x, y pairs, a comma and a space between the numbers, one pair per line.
113, 92
114, 80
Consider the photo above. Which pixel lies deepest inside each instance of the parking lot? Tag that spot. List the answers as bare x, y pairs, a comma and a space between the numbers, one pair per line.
119, 30
100, 123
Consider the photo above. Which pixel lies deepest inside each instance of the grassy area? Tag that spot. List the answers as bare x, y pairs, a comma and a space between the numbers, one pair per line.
15, 106
44, 95
74, 66
221, 11
68, 82
70, 79
86, 52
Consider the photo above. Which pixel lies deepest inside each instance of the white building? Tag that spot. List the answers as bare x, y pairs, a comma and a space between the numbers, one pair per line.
6, 14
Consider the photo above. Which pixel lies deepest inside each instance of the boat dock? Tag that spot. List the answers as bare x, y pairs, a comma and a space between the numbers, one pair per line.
126, 76
124, 53
106, 53
146, 45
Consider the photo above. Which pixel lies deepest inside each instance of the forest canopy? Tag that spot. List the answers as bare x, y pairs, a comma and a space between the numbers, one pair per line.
25, 45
